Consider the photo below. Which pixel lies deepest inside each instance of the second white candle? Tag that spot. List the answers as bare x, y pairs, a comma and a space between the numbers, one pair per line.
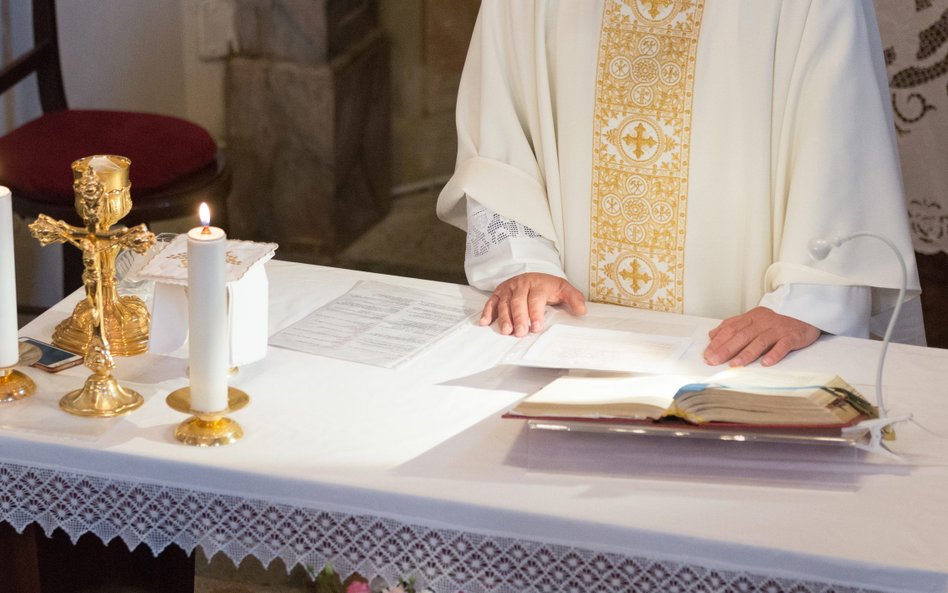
207, 319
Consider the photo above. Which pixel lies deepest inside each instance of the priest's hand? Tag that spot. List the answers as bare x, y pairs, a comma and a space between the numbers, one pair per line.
518, 303
759, 333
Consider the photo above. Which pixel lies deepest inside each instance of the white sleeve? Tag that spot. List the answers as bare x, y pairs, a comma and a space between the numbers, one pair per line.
834, 309
499, 248
836, 163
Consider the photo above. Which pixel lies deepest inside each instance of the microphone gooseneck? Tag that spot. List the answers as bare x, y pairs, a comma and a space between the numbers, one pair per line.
820, 248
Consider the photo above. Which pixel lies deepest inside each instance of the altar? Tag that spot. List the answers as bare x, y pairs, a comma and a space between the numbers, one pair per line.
412, 471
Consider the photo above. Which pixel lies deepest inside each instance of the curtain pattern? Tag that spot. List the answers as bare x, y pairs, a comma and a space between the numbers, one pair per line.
915, 42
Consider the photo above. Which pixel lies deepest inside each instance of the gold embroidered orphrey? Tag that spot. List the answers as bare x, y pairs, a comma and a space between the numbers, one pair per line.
641, 138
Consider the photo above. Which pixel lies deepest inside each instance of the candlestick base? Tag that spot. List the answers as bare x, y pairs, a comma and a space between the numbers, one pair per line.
127, 323
101, 397
207, 429
15, 386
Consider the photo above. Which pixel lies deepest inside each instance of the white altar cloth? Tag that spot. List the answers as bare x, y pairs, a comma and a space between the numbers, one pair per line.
394, 471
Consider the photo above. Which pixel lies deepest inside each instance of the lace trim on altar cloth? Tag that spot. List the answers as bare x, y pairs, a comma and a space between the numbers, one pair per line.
443, 560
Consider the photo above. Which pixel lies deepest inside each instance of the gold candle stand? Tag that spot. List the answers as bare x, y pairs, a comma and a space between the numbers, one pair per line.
102, 323
15, 385
207, 429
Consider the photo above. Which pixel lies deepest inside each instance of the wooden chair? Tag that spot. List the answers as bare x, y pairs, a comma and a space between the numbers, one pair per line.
175, 164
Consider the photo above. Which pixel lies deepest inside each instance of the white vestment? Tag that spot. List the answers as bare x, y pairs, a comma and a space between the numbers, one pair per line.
790, 139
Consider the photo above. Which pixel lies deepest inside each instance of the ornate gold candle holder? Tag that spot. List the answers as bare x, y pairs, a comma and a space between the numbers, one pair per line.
15, 385
207, 429
102, 324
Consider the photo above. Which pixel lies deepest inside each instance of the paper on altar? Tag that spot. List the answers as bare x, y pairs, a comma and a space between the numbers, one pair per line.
376, 323
247, 298
565, 346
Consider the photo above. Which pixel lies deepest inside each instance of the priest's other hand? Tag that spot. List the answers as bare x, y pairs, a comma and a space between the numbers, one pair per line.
759, 333
518, 303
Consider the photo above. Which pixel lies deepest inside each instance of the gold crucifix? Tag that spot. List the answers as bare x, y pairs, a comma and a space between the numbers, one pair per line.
103, 323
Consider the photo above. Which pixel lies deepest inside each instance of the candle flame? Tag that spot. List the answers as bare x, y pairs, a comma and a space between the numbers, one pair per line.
204, 213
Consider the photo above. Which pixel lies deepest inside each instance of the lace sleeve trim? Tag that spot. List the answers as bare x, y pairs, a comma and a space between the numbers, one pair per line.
487, 229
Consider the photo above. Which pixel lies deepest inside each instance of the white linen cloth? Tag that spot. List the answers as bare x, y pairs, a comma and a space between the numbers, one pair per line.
791, 139
341, 459
246, 298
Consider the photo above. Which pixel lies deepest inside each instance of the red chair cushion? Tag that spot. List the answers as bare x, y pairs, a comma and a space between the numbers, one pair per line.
35, 158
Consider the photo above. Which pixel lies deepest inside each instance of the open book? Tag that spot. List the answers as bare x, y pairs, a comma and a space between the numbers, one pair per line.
753, 397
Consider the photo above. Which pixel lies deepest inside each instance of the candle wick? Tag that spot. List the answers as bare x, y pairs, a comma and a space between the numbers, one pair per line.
206, 230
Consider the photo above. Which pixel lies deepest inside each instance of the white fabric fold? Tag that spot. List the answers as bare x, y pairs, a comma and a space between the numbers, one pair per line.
246, 306
169, 318
487, 181
838, 310
247, 298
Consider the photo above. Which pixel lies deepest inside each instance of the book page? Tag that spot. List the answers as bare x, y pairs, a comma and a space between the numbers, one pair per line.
576, 347
375, 323
764, 381
635, 397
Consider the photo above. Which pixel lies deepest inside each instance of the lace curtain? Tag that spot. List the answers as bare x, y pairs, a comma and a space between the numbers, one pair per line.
915, 41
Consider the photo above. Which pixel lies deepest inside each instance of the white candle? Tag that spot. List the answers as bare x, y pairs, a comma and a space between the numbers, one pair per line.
207, 316
9, 346
103, 165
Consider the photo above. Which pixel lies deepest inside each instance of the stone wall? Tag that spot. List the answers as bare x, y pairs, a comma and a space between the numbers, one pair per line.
308, 124
332, 102
429, 44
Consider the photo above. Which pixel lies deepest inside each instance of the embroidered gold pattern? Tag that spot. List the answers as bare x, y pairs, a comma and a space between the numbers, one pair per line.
182, 259
641, 137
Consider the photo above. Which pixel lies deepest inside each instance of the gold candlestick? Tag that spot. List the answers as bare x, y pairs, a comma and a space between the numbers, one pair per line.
207, 429
102, 199
15, 385
102, 323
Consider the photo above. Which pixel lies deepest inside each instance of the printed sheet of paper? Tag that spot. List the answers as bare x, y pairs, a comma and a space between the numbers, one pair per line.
376, 323
574, 347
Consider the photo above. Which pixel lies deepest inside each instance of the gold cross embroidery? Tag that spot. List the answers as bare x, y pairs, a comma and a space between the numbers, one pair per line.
637, 276
639, 140
656, 6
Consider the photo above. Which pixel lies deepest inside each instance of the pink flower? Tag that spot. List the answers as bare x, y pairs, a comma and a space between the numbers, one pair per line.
358, 587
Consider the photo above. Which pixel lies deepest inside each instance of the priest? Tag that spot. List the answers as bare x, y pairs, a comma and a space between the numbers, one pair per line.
679, 155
